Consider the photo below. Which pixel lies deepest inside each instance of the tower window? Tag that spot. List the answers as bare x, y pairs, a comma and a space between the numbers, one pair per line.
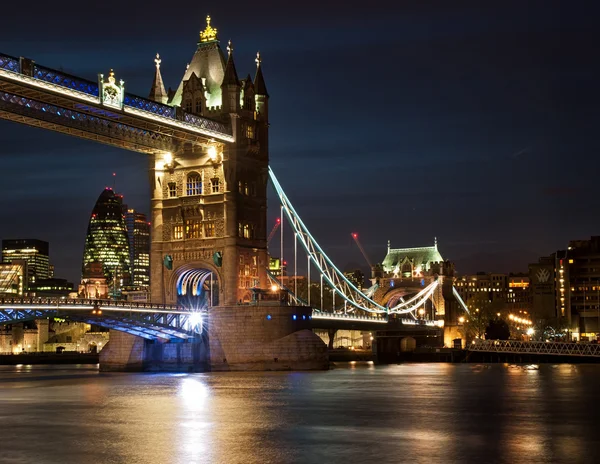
192, 229
240, 187
172, 189
209, 229
215, 185
188, 106
194, 184
250, 131
198, 106
178, 232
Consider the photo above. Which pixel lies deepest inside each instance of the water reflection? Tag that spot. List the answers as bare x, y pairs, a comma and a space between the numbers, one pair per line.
355, 413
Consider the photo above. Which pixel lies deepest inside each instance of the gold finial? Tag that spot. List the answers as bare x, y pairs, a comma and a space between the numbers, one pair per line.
157, 60
210, 33
229, 48
258, 60
111, 77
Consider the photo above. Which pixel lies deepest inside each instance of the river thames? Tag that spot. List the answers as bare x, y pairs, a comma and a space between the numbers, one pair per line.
441, 413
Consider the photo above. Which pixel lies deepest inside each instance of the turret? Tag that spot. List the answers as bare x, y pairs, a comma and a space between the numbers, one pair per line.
158, 92
260, 88
230, 88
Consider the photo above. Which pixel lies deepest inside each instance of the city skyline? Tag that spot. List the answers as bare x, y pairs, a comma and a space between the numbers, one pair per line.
469, 160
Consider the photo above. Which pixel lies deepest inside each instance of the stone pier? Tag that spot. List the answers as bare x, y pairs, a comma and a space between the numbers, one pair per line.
235, 338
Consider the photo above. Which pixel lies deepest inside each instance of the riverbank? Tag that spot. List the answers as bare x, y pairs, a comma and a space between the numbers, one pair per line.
48, 358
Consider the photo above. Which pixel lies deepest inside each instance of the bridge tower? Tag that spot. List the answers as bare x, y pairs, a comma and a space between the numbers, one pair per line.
209, 199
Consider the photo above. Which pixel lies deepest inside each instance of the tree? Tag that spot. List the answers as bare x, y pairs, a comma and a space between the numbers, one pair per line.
497, 329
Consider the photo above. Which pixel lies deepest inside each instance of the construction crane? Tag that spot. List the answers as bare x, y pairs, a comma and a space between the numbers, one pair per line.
362, 250
275, 227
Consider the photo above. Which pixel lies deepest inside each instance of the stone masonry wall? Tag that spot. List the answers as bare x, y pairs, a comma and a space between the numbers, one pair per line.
264, 338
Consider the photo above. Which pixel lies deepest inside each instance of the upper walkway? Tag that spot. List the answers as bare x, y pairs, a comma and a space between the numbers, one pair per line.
43, 97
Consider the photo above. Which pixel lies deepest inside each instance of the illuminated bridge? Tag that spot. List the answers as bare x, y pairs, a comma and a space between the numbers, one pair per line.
229, 142
145, 320
42, 97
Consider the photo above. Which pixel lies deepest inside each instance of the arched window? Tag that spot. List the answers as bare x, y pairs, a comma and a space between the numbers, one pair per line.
198, 106
194, 184
188, 106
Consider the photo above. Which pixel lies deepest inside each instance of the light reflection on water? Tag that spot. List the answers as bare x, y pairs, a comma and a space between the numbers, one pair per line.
357, 413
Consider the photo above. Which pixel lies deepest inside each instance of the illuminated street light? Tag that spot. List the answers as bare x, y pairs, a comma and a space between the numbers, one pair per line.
274, 288
168, 158
461, 319
530, 331
212, 153
421, 311
195, 319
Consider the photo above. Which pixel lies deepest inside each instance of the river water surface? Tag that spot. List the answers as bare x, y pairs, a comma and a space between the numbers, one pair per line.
434, 413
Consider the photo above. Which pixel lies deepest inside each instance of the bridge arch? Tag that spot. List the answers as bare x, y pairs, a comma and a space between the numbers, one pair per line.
197, 284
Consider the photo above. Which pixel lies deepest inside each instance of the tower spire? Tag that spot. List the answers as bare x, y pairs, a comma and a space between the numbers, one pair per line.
435, 242
158, 92
230, 76
259, 81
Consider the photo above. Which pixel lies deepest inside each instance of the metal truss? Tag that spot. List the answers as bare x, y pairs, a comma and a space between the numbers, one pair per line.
519, 347
140, 125
32, 112
146, 320
333, 276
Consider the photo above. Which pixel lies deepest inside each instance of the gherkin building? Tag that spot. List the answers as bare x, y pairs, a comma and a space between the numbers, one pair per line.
106, 241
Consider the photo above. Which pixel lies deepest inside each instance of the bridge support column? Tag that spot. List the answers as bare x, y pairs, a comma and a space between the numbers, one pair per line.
331, 334
264, 338
125, 352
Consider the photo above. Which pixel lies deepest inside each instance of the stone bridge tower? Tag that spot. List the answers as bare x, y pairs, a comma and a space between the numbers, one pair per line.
209, 201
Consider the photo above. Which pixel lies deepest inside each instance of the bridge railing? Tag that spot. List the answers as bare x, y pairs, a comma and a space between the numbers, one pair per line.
522, 347
348, 317
62, 302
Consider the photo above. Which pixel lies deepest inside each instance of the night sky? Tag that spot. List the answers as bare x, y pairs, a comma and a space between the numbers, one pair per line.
476, 122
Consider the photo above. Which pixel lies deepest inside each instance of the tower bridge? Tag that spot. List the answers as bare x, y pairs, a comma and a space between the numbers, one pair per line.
208, 151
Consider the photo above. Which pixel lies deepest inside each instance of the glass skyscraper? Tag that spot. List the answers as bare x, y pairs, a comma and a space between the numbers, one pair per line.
106, 241
34, 252
138, 230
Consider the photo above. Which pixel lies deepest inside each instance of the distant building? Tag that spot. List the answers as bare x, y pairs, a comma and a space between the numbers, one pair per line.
357, 278
138, 232
93, 283
480, 290
566, 284
13, 278
107, 241
53, 287
503, 292
34, 252
275, 267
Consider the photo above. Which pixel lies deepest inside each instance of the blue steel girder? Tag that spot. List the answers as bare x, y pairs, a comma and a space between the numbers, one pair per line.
54, 100
15, 316
82, 124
